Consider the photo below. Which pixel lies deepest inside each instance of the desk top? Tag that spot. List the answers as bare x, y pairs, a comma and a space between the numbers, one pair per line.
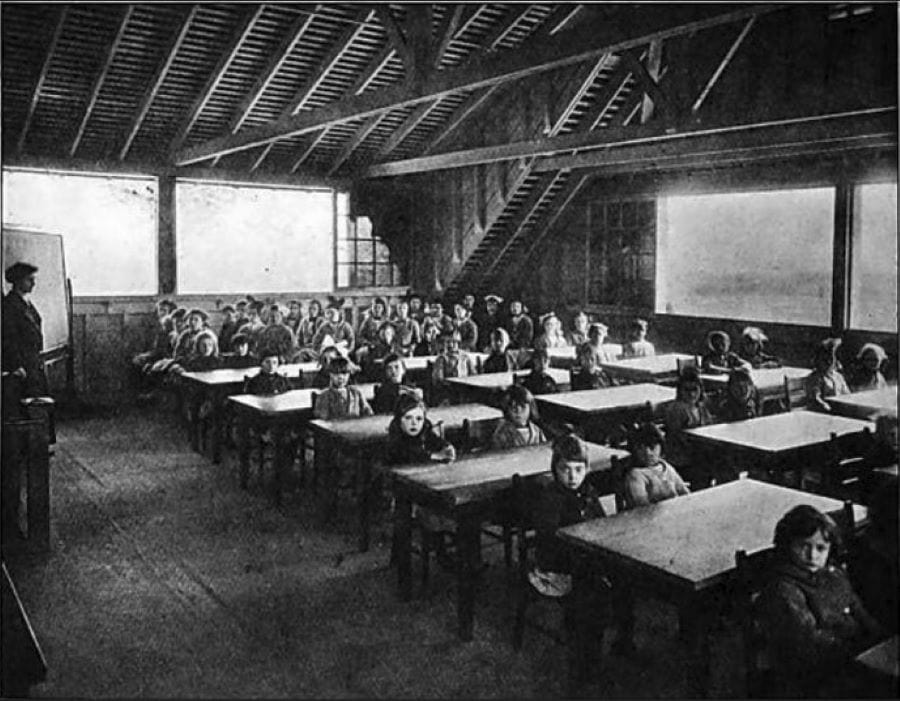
420, 362
228, 376
502, 380
483, 475
374, 428
599, 401
882, 658
569, 352
295, 401
865, 404
779, 432
763, 378
690, 541
652, 365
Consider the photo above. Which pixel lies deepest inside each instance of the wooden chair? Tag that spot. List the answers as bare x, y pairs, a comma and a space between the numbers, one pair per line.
522, 500
682, 363
750, 577
842, 470
617, 482
794, 393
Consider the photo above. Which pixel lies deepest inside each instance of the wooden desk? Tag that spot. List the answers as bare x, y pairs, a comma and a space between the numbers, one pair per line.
486, 388
683, 549
596, 410
565, 356
365, 439
217, 385
654, 368
865, 405
769, 381
882, 659
278, 413
770, 439
468, 491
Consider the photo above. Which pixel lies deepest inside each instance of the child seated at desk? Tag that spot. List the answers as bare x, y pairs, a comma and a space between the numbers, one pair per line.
240, 357
412, 439
579, 334
687, 410
588, 358
826, 379
229, 328
519, 427
638, 346
751, 350
278, 335
409, 333
568, 500
205, 355
719, 359
741, 400
341, 400
648, 478
267, 381
451, 362
538, 381
388, 392
499, 359
551, 335
867, 374
813, 620
431, 341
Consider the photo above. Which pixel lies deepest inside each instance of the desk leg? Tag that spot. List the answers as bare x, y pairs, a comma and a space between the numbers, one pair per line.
364, 469
38, 506
403, 543
467, 545
244, 449
279, 460
215, 420
693, 622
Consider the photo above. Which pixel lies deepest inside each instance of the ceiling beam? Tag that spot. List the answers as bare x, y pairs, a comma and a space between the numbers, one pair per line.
566, 48
714, 78
498, 33
418, 36
406, 128
309, 149
396, 38
189, 12
276, 61
296, 103
472, 103
374, 68
358, 137
42, 76
474, 12
446, 31
598, 139
108, 57
238, 37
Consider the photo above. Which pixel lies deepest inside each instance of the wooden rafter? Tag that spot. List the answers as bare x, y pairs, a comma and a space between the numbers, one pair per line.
446, 32
405, 129
603, 100
42, 76
567, 195
396, 38
566, 48
358, 137
647, 77
108, 57
340, 46
245, 26
171, 51
562, 16
499, 33
308, 150
585, 81
474, 12
714, 78
276, 61
474, 101
418, 35
376, 65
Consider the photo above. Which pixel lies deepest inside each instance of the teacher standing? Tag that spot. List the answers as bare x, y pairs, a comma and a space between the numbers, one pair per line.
23, 339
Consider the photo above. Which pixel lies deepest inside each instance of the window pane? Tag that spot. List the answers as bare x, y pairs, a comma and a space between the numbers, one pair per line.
383, 275
108, 226
873, 290
382, 253
344, 251
343, 204
362, 277
364, 252
763, 256
252, 239
343, 274
363, 227
343, 227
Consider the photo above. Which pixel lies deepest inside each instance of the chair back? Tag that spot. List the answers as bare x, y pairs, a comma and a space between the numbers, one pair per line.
313, 396
750, 577
682, 363
617, 479
794, 393
438, 428
478, 364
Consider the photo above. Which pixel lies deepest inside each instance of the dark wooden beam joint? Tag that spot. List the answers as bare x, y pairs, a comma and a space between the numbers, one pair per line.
661, 103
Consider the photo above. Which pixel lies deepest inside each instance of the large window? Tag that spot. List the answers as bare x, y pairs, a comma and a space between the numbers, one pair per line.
236, 237
363, 260
763, 256
873, 288
622, 253
108, 225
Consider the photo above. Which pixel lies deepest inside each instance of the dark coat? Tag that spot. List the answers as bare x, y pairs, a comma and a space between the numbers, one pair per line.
539, 384
387, 394
499, 362
556, 508
403, 449
23, 341
521, 331
271, 383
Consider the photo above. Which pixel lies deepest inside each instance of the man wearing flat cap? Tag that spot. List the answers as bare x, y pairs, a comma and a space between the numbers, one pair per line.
23, 338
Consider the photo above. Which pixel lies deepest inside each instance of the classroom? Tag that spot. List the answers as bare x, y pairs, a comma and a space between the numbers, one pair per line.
449, 350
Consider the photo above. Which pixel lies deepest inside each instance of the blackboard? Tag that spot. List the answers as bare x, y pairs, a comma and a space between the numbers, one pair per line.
50, 294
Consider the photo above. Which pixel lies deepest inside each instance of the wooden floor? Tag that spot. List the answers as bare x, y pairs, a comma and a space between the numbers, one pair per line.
165, 579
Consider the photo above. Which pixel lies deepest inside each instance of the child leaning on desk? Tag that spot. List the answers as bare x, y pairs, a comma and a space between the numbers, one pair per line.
826, 380
648, 478
688, 410
393, 384
499, 359
813, 621
267, 381
539, 381
519, 427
